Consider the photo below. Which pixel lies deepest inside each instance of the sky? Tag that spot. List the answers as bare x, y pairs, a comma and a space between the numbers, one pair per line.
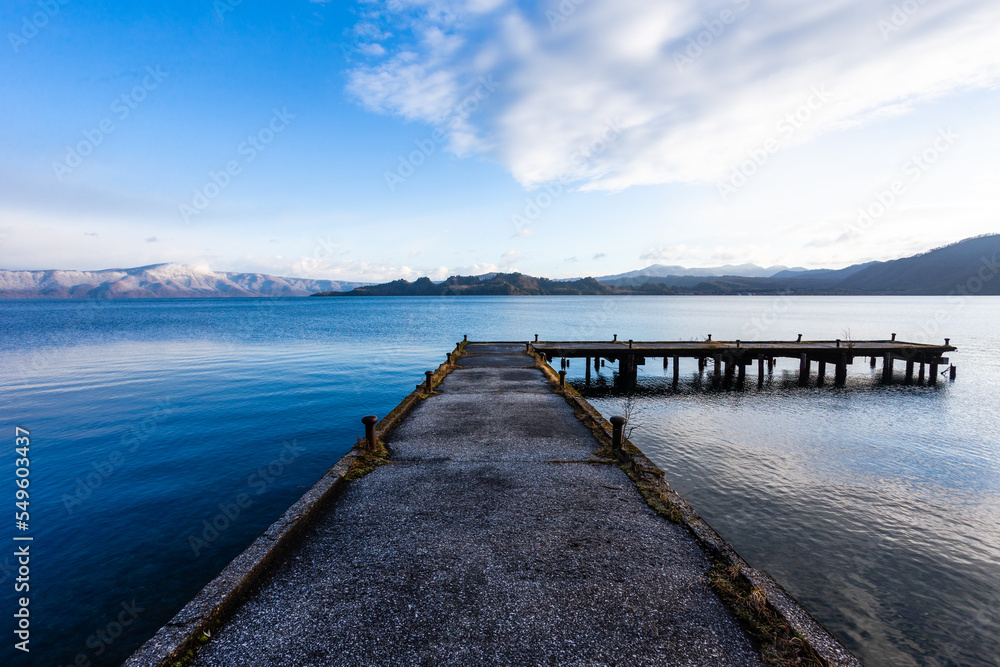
373, 140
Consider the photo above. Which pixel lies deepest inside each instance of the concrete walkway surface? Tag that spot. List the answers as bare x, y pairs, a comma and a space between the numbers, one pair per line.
491, 538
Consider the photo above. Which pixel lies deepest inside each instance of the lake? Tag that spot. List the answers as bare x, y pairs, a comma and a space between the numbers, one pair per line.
877, 507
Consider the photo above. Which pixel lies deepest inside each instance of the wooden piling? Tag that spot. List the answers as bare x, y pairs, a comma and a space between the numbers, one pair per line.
760, 371
804, 367
933, 373
587, 379
717, 372
821, 380
887, 368
923, 373
742, 374
677, 370
841, 376
909, 372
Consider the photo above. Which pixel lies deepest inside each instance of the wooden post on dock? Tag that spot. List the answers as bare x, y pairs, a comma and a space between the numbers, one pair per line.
701, 365
909, 371
597, 363
729, 368
562, 379
370, 441
933, 375
588, 370
677, 371
617, 432
804, 366
873, 362
923, 372
429, 383
742, 375
841, 375
821, 380
717, 372
887, 368
770, 365
760, 371
665, 360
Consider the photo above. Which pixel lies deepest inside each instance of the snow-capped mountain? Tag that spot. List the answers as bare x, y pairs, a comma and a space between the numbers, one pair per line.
158, 280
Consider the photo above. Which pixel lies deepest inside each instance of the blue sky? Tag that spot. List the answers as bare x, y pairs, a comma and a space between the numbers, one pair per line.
376, 140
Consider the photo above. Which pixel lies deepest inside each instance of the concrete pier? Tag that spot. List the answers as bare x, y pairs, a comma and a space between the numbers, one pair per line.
501, 528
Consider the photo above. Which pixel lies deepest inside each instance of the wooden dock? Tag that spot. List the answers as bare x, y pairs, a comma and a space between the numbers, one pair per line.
731, 359
493, 518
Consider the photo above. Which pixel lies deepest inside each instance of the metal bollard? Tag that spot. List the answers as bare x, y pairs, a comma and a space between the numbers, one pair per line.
630, 343
465, 338
527, 347
800, 339
429, 384
893, 337
369, 421
536, 338
615, 339
562, 378
617, 432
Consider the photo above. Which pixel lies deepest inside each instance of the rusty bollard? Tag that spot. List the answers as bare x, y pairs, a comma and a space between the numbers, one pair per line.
369, 421
465, 338
449, 357
429, 384
527, 347
562, 379
617, 432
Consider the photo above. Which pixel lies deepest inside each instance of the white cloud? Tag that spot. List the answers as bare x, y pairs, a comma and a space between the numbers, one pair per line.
693, 88
669, 254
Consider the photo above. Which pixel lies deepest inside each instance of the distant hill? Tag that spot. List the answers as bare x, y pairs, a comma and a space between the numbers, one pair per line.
824, 274
970, 265
966, 267
640, 276
156, 281
500, 284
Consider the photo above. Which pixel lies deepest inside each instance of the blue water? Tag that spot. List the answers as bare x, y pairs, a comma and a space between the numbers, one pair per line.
152, 420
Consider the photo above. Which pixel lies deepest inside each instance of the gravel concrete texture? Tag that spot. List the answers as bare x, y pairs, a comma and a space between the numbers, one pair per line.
490, 539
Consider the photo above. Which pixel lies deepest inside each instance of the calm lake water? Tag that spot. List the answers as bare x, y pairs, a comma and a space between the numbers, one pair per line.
877, 507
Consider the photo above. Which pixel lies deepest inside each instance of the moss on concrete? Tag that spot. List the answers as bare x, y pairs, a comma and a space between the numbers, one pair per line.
779, 644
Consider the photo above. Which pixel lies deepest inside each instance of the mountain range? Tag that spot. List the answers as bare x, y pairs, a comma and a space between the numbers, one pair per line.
662, 270
157, 280
969, 266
